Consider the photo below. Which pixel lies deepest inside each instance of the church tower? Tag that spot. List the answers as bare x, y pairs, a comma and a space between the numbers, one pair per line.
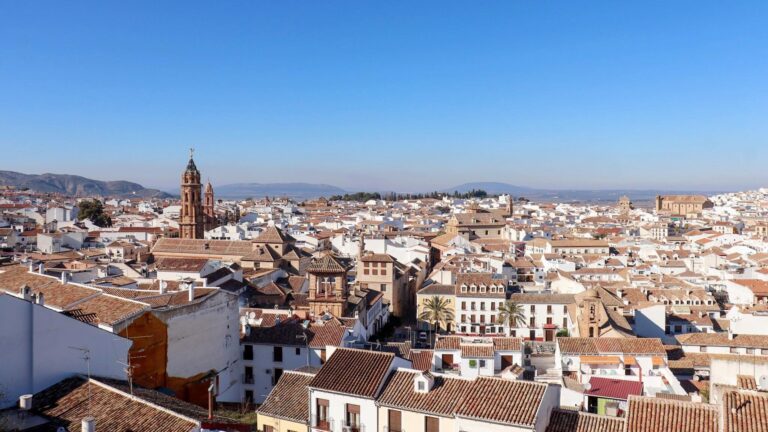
191, 222
209, 208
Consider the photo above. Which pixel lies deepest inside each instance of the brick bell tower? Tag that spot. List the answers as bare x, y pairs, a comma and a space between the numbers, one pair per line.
192, 217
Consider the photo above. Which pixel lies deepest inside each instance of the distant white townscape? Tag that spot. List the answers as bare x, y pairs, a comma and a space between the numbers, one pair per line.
447, 311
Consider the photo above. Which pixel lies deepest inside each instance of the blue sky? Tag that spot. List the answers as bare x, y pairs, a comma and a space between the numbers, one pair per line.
396, 95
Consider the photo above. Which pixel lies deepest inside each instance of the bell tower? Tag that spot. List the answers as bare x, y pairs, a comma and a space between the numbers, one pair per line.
191, 221
209, 207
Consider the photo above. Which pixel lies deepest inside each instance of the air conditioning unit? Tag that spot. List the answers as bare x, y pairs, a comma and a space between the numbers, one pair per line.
268, 371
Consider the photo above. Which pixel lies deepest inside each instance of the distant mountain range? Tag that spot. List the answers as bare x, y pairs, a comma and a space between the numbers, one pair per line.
77, 186
80, 186
564, 195
297, 191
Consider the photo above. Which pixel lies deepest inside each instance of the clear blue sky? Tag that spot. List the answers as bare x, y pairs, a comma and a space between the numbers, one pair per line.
397, 95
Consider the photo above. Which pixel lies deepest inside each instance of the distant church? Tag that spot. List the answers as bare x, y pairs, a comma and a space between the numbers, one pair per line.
197, 209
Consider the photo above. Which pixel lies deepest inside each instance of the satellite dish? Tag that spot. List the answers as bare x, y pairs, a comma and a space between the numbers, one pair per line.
252, 315
587, 386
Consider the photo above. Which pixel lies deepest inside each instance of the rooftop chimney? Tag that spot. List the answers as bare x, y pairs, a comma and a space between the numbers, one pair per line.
25, 402
88, 424
40, 299
64, 277
41, 268
163, 286
25, 292
31, 266
191, 291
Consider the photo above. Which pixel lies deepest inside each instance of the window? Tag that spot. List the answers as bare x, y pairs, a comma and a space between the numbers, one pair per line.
549, 320
277, 354
482, 363
276, 376
532, 322
473, 305
353, 416
565, 309
420, 385
493, 306
464, 305
734, 350
473, 289
383, 287
431, 424
549, 309
248, 378
482, 306
565, 322
248, 352
395, 421
383, 272
463, 318
249, 396
268, 428
298, 351
463, 288
321, 414
533, 309
366, 272
750, 350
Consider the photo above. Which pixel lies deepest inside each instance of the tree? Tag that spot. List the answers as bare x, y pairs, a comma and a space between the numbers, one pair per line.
437, 311
93, 210
511, 314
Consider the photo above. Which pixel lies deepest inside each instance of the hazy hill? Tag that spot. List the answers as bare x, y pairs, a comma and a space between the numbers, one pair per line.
298, 191
76, 185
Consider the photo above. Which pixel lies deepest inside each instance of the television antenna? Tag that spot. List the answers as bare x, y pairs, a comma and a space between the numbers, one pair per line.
87, 357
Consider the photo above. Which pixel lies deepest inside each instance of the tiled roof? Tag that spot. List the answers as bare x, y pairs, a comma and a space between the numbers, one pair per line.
745, 411
288, 400
507, 343
503, 401
614, 388
746, 382
721, 339
68, 402
326, 264
438, 289
273, 235
583, 345
353, 371
476, 350
422, 360
563, 420
647, 414
448, 343
442, 399
180, 264
172, 246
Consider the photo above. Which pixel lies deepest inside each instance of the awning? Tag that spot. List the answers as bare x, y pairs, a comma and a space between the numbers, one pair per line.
630, 361
600, 360
657, 361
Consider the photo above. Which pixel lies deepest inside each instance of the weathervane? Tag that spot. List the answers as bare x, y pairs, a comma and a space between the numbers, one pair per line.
191, 152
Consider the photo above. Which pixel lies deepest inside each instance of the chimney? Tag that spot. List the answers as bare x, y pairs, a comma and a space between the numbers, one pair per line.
64, 277
25, 402
88, 424
41, 268
31, 266
40, 299
619, 293
191, 291
163, 286
25, 292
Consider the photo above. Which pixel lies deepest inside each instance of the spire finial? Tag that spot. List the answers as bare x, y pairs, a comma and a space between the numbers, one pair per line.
191, 152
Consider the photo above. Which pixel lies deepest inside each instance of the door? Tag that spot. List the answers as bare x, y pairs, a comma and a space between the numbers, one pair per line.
447, 361
506, 361
431, 424
549, 335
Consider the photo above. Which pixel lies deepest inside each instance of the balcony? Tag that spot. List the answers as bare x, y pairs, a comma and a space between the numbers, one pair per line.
321, 424
247, 379
352, 428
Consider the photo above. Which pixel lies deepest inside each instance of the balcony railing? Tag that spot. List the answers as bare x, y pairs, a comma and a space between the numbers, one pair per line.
247, 379
322, 424
346, 427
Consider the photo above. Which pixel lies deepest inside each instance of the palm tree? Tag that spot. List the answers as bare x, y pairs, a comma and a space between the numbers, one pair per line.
511, 314
436, 311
